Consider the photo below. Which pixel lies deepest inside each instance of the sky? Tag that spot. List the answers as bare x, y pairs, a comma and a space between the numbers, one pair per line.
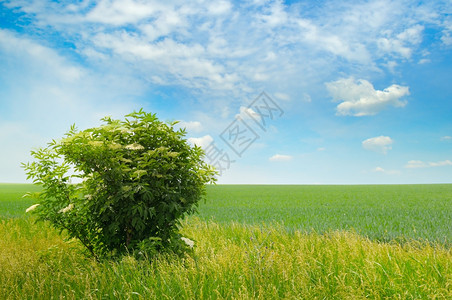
277, 92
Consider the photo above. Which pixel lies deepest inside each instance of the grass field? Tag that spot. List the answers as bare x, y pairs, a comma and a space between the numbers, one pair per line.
11, 202
382, 212
254, 242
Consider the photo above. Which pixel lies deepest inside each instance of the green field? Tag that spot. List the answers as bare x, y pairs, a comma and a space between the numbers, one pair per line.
11, 202
254, 242
382, 212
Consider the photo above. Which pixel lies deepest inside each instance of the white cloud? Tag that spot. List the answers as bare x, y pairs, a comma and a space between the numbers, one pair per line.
379, 169
183, 63
402, 43
389, 172
121, 12
247, 113
412, 164
416, 164
224, 48
275, 14
202, 142
191, 126
359, 98
219, 7
331, 41
446, 138
391, 65
380, 144
280, 157
168, 20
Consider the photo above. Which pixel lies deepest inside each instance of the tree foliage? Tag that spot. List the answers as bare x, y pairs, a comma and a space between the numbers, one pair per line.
139, 177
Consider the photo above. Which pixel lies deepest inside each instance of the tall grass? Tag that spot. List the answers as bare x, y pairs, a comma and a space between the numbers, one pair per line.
230, 261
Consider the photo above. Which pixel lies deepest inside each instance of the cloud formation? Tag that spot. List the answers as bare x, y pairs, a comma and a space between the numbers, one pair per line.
380, 144
359, 97
224, 47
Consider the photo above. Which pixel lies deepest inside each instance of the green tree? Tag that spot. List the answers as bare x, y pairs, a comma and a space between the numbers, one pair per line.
139, 178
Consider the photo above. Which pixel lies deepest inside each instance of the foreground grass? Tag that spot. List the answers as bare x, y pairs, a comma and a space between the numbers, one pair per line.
230, 261
254, 242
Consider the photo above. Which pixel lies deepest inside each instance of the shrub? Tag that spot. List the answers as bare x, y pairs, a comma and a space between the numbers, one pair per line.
139, 177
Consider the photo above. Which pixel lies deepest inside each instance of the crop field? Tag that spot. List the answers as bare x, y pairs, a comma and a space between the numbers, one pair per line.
380, 212
253, 242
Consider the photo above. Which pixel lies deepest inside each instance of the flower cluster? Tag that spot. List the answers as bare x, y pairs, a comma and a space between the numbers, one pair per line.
188, 242
135, 147
67, 208
31, 208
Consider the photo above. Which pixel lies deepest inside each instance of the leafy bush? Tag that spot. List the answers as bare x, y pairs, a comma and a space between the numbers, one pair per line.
139, 177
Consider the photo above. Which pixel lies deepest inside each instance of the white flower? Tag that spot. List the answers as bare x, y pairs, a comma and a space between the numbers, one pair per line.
188, 242
67, 208
31, 208
134, 147
114, 146
96, 143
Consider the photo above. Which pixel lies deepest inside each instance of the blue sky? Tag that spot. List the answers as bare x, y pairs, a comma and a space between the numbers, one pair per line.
363, 88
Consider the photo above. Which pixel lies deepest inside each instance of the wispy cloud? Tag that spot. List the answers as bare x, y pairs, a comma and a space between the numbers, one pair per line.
446, 37
43, 57
413, 164
280, 158
224, 47
122, 12
402, 43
